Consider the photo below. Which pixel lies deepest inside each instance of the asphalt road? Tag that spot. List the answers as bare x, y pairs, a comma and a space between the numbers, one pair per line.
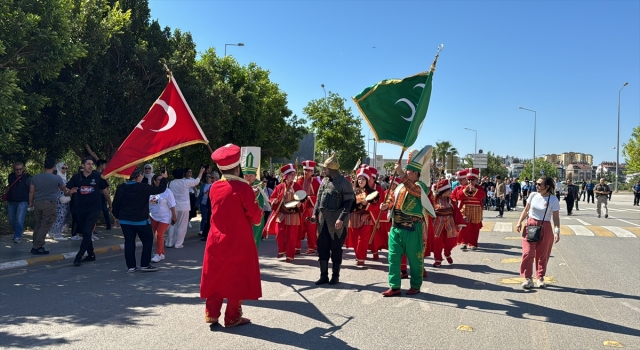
593, 298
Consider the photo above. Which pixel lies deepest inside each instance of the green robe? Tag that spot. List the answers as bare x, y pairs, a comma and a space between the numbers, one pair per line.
257, 230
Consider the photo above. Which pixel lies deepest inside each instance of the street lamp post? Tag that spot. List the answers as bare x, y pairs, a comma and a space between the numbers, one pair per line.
618, 144
325, 91
225, 47
533, 161
475, 150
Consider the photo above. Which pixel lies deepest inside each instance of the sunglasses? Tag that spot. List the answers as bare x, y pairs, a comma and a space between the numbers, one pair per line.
64, 168
147, 168
539, 184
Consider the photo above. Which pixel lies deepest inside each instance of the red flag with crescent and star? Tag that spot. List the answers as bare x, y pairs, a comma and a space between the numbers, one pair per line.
167, 126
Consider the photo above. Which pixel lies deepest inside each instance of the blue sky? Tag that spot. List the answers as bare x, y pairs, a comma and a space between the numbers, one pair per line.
565, 59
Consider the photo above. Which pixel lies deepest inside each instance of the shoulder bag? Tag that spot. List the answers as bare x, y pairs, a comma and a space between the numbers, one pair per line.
6, 195
533, 232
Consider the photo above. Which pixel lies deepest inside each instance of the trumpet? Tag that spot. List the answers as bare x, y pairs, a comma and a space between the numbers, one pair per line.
470, 190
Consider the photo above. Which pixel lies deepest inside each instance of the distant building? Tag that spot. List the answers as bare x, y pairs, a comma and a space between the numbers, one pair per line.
569, 158
579, 172
515, 169
609, 168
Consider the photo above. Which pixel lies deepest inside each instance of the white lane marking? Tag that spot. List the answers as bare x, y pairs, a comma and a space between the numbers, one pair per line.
580, 230
630, 307
620, 232
583, 222
628, 222
503, 227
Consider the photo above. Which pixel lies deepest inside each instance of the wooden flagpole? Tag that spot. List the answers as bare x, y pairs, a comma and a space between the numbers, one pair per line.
386, 197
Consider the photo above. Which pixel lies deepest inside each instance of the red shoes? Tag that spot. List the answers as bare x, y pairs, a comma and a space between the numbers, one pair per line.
424, 272
310, 251
391, 293
404, 275
412, 291
449, 259
437, 264
376, 256
280, 255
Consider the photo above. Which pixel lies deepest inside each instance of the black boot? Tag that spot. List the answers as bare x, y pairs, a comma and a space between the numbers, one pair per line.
324, 273
335, 277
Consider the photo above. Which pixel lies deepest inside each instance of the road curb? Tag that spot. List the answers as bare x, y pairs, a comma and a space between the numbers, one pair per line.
58, 257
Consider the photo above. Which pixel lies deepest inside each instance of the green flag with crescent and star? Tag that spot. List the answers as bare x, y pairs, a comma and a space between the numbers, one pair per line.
395, 109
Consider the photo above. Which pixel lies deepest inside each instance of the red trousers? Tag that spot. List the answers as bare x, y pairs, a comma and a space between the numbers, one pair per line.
308, 230
232, 315
159, 229
441, 243
287, 239
362, 235
540, 251
469, 235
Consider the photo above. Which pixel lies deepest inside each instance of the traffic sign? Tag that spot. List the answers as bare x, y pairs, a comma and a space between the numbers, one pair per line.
479, 160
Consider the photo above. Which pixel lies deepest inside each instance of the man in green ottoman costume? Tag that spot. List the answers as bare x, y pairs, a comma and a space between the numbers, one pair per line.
250, 163
410, 208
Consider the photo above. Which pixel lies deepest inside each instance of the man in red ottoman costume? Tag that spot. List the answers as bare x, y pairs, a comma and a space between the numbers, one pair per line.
230, 269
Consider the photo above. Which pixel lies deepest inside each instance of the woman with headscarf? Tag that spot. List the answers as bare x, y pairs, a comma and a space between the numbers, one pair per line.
147, 175
62, 209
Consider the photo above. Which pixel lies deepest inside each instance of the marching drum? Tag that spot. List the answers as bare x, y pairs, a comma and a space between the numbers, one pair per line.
300, 195
372, 197
291, 207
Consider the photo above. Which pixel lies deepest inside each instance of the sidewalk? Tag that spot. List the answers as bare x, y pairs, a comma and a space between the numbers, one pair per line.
15, 255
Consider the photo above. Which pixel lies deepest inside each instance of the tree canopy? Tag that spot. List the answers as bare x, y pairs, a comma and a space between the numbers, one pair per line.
542, 167
631, 151
337, 130
78, 75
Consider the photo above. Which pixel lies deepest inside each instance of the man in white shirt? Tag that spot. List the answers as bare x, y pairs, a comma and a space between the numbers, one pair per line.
180, 188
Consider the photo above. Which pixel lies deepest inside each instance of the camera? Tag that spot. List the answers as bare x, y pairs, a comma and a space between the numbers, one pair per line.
163, 170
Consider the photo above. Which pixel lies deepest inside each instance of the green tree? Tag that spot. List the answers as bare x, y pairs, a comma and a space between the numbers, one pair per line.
389, 166
495, 166
337, 129
36, 42
631, 152
541, 166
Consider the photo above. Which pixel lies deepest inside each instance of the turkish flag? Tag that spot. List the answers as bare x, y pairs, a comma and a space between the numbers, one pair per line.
167, 126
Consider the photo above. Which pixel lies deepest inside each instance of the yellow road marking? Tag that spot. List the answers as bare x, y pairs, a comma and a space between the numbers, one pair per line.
612, 343
45, 259
517, 237
600, 231
487, 226
518, 280
634, 230
511, 260
465, 328
566, 231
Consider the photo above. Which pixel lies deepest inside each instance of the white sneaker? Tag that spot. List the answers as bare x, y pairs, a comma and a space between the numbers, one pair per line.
60, 238
190, 225
17, 240
76, 238
540, 283
156, 258
94, 238
178, 246
527, 284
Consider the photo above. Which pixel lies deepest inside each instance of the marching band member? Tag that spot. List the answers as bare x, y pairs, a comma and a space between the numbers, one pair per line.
379, 241
469, 199
250, 162
448, 216
286, 219
361, 219
310, 184
411, 207
230, 269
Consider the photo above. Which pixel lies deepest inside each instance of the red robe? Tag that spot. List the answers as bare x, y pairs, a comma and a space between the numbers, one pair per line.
231, 268
471, 208
309, 204
381, 239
